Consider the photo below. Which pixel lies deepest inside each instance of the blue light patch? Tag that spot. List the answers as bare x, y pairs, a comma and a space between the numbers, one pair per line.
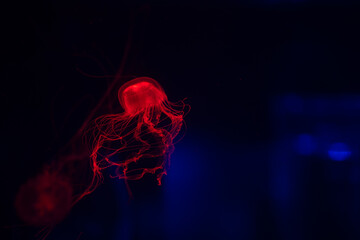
339, 152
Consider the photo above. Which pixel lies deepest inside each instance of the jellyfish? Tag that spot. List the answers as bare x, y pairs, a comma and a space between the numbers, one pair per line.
140, 139
44, 200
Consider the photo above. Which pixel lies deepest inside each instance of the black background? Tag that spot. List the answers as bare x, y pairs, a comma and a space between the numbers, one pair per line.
230, 59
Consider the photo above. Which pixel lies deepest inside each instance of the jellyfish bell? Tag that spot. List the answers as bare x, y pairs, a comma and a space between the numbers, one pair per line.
140, 94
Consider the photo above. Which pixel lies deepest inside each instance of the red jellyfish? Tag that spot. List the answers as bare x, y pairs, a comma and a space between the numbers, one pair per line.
139, 140
44, 200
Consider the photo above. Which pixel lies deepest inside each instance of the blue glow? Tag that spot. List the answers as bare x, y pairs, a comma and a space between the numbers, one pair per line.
305, 144
339, 152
